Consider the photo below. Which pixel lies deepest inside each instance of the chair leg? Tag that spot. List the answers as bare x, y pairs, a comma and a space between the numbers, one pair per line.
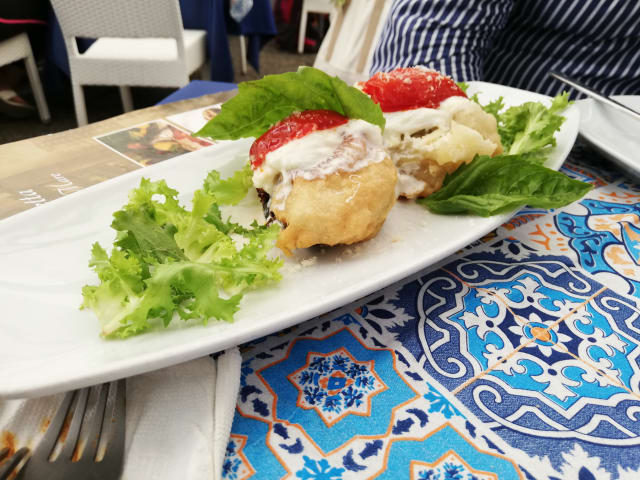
303, 29
127, 100
243, 54
36, 87
78, 103
205, 71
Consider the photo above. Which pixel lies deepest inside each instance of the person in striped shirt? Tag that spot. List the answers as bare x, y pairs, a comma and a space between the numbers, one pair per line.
518, 43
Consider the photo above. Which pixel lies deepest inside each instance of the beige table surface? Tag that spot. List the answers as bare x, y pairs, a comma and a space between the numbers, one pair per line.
40, 169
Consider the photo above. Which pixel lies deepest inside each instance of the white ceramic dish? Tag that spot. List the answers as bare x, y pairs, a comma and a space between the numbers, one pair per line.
614, 134
47, 345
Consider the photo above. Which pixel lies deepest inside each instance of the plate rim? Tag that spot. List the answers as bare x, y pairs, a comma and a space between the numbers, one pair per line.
609, 151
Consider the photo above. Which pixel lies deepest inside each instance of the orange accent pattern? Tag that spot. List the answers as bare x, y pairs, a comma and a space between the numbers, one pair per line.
540, 237
453, 458
244, 469
520, 220
333, 384
625, 197
541, 334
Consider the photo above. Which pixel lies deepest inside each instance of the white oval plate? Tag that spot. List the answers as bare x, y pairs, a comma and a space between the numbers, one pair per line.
47, 345
614, 134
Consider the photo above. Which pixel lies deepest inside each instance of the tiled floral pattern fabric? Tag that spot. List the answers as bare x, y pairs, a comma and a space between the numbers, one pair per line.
519, 357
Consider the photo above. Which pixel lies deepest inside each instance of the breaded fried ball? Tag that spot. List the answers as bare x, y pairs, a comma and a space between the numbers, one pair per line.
341, 208
329, 180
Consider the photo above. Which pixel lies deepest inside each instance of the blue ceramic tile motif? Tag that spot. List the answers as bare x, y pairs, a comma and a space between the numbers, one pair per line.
606, 238
517, 358
462, 326
332, 401
498, 315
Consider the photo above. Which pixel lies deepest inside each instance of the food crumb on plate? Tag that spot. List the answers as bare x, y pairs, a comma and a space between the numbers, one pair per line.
307, 262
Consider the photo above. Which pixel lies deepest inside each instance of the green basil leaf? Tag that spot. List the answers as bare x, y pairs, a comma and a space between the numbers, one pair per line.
491, 185
262, 103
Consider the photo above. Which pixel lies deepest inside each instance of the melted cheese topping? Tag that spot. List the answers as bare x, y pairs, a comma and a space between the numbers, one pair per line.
349, 147
426, 124
411, 135
408, 185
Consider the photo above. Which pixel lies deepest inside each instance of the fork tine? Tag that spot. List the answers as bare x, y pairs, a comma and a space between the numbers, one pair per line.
114, 454
93, 436
6, 469
74, 429
45, 447
111, 427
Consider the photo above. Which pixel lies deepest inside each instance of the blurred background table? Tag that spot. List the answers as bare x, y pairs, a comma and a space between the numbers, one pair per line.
258, 26
55, 165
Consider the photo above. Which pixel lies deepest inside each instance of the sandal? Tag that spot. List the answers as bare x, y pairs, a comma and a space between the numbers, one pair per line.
12, 105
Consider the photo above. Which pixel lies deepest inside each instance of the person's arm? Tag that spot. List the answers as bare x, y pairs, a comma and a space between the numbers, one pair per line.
451, 36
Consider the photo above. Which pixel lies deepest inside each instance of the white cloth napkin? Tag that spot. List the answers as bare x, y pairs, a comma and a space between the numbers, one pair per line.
178, 419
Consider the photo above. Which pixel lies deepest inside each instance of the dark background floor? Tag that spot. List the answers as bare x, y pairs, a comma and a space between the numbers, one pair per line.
104, 102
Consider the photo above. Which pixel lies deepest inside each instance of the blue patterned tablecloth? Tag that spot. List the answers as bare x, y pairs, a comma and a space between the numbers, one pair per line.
515, 358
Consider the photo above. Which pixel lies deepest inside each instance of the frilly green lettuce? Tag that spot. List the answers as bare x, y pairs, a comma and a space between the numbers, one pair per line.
170, 261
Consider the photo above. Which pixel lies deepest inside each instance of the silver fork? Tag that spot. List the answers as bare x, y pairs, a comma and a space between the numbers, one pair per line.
83, 445
9, 463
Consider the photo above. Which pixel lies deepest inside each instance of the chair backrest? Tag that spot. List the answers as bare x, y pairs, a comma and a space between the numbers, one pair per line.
119, 18
348, 46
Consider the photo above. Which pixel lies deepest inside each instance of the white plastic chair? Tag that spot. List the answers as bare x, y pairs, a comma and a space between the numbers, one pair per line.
348, 46
243, 55
139, 43
316, 6
18, 48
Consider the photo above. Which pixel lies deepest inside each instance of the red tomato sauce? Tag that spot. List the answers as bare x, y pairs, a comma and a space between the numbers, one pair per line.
296, 125
410, 88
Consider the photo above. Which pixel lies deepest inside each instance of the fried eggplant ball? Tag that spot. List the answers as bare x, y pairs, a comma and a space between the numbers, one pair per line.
327, 179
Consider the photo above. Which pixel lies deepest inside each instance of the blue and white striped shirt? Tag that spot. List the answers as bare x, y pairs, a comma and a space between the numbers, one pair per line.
518, 42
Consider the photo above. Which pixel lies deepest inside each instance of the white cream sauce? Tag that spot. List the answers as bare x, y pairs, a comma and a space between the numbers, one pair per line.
400, 125
408, 184
422, 128
455, 104
348, 147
